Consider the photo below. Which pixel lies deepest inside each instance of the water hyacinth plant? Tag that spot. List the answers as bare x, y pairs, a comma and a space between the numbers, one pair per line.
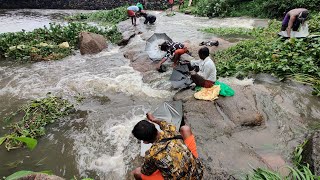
48, 43
296, 59
109, 17
29, 121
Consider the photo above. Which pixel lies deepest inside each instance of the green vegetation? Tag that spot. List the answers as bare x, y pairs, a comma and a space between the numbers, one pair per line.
253, 8
296, 59
300, 170
21, 174
231, 31
46, 43
29, 121
314, 23
110, 17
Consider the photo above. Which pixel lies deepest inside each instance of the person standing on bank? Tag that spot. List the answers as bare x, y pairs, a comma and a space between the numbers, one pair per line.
132, 10
171, 3
206, 76
293, 19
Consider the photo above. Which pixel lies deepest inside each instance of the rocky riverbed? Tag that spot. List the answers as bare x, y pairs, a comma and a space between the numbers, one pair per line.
258, 127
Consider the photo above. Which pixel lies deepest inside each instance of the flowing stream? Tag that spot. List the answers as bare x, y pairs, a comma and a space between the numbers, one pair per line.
96, 141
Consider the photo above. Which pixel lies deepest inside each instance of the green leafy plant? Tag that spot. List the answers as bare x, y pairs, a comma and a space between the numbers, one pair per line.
296, 59
298, 171
110, 17
46, 43
253, 8
34, 117
244, 32
314, 22
21, 174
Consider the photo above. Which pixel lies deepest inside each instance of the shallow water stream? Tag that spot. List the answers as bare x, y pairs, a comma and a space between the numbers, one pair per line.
96, 141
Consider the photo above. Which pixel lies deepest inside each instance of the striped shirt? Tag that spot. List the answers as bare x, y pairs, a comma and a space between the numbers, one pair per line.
173, 46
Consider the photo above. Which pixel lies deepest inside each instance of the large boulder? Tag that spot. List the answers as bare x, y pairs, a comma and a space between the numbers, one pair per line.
215, 125
311, 153
241, 108
91, 43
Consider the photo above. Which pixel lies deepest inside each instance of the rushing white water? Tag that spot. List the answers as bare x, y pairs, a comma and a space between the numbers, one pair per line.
96, 74
99, 143
110, 148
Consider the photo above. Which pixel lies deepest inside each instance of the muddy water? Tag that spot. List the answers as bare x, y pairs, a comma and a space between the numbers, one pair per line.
96, 141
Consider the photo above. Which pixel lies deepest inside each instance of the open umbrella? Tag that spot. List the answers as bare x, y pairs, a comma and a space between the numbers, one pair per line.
152, 47
179, 77
170, 112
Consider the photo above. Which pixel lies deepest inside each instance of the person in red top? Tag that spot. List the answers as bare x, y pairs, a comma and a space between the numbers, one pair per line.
171, 3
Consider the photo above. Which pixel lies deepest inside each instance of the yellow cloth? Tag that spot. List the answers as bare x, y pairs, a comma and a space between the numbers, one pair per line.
208, 94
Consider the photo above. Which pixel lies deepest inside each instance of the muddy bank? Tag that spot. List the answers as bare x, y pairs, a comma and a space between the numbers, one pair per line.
258, 127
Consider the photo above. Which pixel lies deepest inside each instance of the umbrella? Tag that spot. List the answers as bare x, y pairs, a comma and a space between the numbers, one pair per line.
179, 77
152, 47
170, 112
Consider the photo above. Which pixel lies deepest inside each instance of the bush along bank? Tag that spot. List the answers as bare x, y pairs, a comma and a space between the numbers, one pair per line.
48, 43
29, 121
253, 8
109, 17
295, 59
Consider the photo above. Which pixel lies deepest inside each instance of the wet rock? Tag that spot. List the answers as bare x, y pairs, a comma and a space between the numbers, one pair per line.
139, 59
273, 160
214, 126
129, 31
217, 174
311, 153
194, 46
241, 108
40, 176
91, 43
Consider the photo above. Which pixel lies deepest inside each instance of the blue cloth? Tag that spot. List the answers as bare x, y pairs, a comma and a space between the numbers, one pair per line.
133, 8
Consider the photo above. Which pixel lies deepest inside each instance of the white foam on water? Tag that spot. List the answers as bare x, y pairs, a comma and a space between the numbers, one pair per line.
108, 149
97, 74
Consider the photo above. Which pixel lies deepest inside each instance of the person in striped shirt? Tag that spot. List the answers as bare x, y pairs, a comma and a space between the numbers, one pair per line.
174, 51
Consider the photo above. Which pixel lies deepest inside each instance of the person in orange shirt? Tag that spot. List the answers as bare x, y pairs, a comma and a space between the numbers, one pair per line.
173, 155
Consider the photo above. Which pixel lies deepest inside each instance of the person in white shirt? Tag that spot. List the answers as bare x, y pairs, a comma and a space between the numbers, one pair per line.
206, 76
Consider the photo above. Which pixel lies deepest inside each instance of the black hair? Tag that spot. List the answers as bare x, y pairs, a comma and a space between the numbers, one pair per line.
204, 52
140, 9
164, 46
144, 14
304, 14
145, 131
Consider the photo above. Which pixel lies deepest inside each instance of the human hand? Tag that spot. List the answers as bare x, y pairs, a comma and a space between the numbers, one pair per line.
150, 116
193, 72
